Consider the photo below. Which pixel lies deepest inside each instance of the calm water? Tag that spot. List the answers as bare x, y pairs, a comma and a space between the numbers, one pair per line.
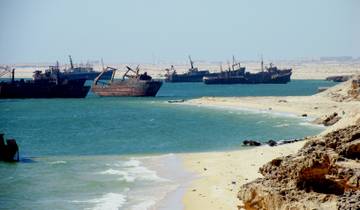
93, 153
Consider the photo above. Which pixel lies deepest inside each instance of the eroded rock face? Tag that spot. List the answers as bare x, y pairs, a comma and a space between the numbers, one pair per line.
328, 120
324, 174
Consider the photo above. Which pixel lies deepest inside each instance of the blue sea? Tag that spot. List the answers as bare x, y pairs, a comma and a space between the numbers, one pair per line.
120, 153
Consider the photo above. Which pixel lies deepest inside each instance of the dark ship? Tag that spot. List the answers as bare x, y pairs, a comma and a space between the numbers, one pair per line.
9, 152
235, 72
271, 75
135, 84
83, 72
193, 74
44, 85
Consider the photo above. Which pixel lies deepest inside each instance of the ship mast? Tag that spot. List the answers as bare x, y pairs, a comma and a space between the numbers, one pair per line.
13, 75
71, 62
233, 57
191, 62
102, 64
262, 63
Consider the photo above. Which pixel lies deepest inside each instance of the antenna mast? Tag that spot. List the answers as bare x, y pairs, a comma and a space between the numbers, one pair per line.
102, 64
191, 62
71, 62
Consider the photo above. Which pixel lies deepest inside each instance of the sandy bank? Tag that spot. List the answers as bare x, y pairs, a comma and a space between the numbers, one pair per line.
315, 106
222, 173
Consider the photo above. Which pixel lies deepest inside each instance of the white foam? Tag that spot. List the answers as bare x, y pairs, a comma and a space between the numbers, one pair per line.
132, 163
131, 171
282, 125
109, 201
145, 205
143, 173
259, 122
311, 124
58, 162
124, 175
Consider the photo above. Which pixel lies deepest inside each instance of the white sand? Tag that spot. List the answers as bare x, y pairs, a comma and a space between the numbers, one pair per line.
217, 186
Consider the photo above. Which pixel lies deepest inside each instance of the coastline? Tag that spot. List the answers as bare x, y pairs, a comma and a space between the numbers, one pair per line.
220, 174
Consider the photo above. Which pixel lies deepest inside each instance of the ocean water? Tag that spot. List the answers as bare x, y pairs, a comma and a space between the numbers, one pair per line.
120, 153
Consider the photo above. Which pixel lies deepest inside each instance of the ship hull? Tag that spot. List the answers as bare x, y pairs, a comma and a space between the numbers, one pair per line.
189, 77
128, 88
249, 79
86, 75
69, 89
184, 78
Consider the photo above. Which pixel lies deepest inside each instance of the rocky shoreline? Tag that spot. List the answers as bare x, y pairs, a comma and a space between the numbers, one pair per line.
321, 172
324, 174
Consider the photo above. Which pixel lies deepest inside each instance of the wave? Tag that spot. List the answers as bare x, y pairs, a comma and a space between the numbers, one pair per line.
132, 163
282, 125
145, 205
109, 201
311, 124
131, 171
58, 162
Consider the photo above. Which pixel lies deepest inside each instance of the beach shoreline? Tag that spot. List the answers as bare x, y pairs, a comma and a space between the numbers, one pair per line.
222, 173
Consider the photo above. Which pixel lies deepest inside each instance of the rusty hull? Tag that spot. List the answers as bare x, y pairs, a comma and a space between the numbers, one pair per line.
128, 87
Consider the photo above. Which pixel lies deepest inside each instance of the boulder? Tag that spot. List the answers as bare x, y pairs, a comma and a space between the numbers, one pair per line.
251, 143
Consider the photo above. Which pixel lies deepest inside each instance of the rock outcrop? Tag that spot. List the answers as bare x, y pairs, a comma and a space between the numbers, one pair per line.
328, 120
324, 174
347, 91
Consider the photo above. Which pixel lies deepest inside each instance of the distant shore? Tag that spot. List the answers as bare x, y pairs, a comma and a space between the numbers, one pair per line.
222, 173
302, 69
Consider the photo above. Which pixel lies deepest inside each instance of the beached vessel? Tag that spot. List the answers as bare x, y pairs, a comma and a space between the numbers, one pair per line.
192, 75
44, 85
129, 85
83, 72
271, 75
340, 78
9, 152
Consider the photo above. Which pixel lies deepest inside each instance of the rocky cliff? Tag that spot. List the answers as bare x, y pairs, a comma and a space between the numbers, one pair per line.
324, 174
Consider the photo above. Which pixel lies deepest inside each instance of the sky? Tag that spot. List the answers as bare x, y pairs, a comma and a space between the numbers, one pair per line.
150, 31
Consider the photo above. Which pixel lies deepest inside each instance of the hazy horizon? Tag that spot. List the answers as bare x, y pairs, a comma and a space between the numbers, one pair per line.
162, 31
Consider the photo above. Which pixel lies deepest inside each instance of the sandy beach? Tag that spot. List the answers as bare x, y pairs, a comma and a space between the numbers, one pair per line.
220, 174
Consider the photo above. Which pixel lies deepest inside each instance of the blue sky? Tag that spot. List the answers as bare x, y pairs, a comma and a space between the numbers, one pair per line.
169, 30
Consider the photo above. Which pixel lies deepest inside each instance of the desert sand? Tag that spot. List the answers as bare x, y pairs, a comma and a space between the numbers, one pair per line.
220, 174
302, 69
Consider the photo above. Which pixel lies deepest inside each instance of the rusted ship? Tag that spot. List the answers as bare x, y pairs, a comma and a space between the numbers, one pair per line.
44, 85
134, 84
271, 75
193, 74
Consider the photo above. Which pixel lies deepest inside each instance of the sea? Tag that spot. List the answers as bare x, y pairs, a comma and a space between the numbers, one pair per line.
122, 153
